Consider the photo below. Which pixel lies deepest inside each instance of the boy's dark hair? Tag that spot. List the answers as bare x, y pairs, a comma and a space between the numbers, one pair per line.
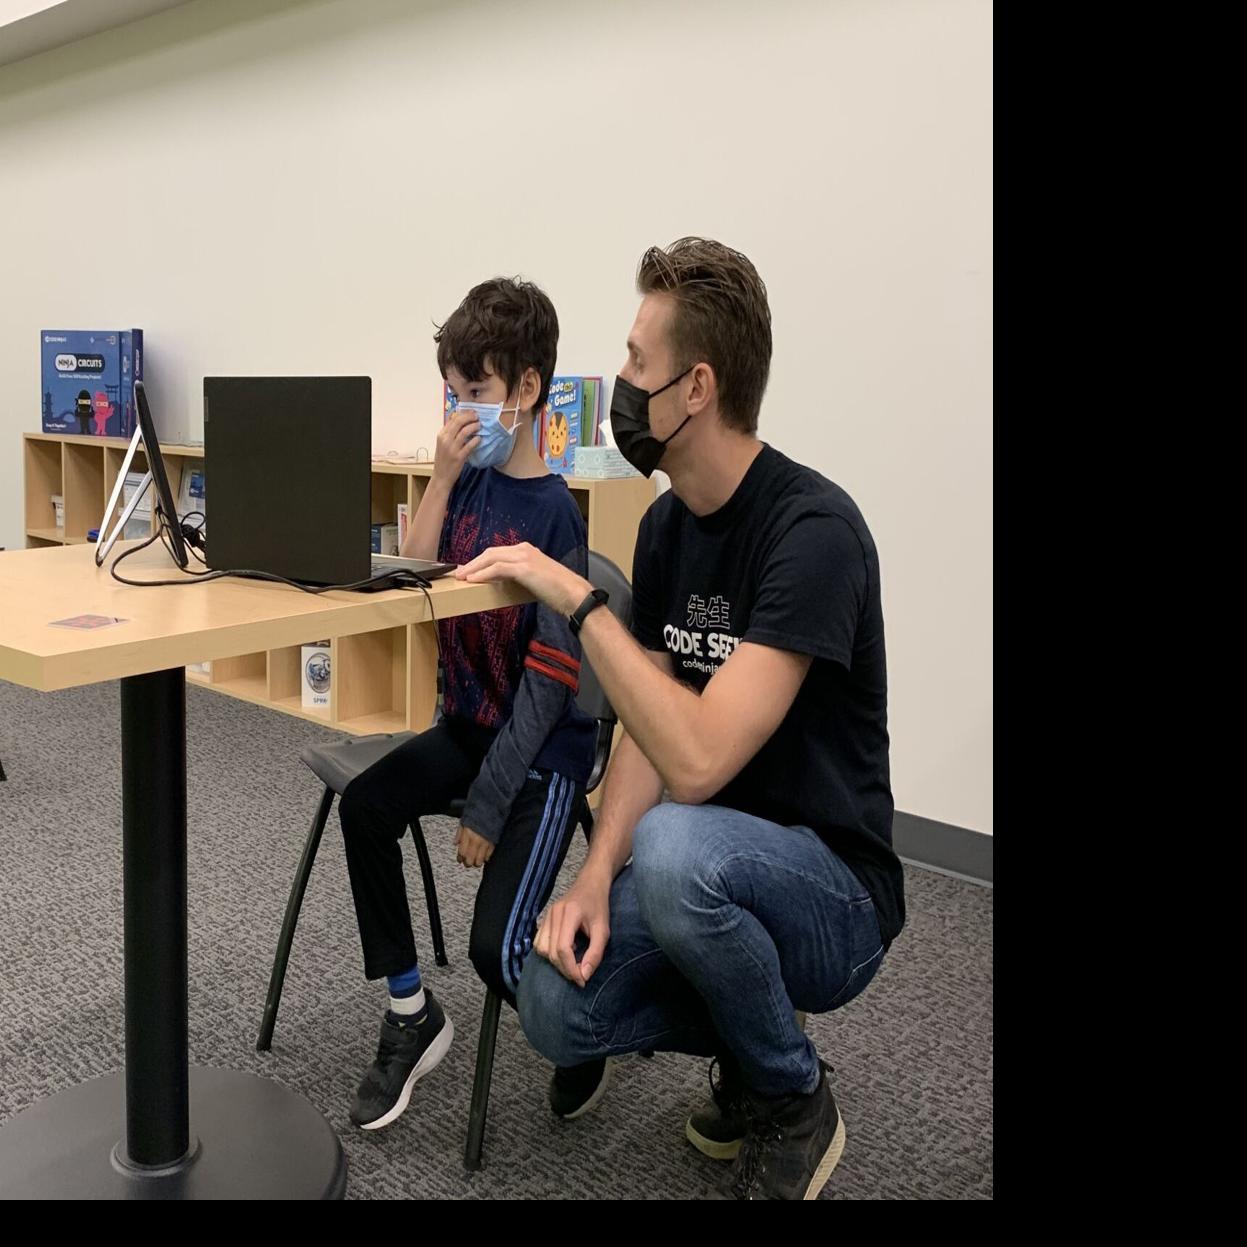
508, 324
721, 316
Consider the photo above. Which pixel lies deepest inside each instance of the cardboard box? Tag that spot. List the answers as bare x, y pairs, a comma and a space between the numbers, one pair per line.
88, 380
385, 539
570, 420
602, 463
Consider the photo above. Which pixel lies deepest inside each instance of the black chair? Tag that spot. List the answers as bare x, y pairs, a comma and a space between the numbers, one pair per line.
336, 765
3, 776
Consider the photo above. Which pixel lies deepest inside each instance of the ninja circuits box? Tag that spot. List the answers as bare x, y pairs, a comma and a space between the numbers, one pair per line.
88, 380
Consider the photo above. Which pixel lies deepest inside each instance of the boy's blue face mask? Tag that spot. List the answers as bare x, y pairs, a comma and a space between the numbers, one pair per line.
497, 442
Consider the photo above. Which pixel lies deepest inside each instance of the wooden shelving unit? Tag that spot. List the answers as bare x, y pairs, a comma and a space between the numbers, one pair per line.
383, 681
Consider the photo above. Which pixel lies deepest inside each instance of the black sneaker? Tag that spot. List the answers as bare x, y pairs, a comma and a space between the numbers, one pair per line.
575, 1089
718, 1128
404, 1055
792, 1146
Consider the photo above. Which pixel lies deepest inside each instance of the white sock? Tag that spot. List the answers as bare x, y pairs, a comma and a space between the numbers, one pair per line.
407, 1006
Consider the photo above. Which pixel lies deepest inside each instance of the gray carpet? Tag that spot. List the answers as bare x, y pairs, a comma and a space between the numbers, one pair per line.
913, 1054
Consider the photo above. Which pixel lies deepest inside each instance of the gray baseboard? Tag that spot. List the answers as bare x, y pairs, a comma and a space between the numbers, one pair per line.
944, 847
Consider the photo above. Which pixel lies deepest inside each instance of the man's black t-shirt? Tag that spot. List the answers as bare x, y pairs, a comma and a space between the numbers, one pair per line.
787, 562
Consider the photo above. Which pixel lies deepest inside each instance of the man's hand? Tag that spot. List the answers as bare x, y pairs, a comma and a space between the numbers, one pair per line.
586, 907
458, 438
557, 586
472, 850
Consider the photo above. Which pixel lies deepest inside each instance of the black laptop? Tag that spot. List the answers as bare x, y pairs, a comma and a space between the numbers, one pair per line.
287, 467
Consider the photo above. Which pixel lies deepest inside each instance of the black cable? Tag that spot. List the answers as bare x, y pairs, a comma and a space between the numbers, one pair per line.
199, 577
168, 544
154, 537
246, 573
193, 536
158, 535
161, 534
441, 661
437, 636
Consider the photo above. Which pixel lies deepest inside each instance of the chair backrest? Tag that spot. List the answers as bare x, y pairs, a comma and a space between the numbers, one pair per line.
592, 699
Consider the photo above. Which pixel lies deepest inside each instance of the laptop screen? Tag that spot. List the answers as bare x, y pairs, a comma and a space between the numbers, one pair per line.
287, 468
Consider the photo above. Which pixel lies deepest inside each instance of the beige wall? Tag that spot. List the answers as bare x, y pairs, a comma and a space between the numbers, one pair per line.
282, 187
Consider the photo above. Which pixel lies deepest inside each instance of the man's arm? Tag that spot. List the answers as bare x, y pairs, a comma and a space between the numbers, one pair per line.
700, 742
695, 743
632, 788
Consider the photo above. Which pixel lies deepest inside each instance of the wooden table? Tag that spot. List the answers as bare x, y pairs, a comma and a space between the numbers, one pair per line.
163, 1129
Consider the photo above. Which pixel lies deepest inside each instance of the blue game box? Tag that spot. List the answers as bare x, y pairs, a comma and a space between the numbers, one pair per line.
88, 380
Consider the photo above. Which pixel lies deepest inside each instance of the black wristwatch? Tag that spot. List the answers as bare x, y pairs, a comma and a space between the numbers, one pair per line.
599, 597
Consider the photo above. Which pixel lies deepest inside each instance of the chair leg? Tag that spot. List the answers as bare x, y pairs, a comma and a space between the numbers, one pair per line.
3, 776
480, 1084
430, 894
293, 905
586, 818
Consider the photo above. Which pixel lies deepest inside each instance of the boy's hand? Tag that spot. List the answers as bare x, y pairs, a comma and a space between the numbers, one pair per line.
456, 441
472, 850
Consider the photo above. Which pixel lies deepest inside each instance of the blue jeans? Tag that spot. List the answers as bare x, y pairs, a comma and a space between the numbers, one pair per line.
722, 925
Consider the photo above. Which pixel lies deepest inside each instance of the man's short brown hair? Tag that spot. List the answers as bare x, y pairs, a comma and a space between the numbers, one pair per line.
721, 317
507, 324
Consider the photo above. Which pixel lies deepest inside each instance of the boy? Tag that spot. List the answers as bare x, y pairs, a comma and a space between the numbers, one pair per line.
511, 740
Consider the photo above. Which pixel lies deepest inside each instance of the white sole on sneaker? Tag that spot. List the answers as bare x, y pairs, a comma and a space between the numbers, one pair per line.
831, 1158
596, 1098
708, 1147
432, 1058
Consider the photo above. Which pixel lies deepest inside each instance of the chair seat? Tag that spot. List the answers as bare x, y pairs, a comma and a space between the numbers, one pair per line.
337, 764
